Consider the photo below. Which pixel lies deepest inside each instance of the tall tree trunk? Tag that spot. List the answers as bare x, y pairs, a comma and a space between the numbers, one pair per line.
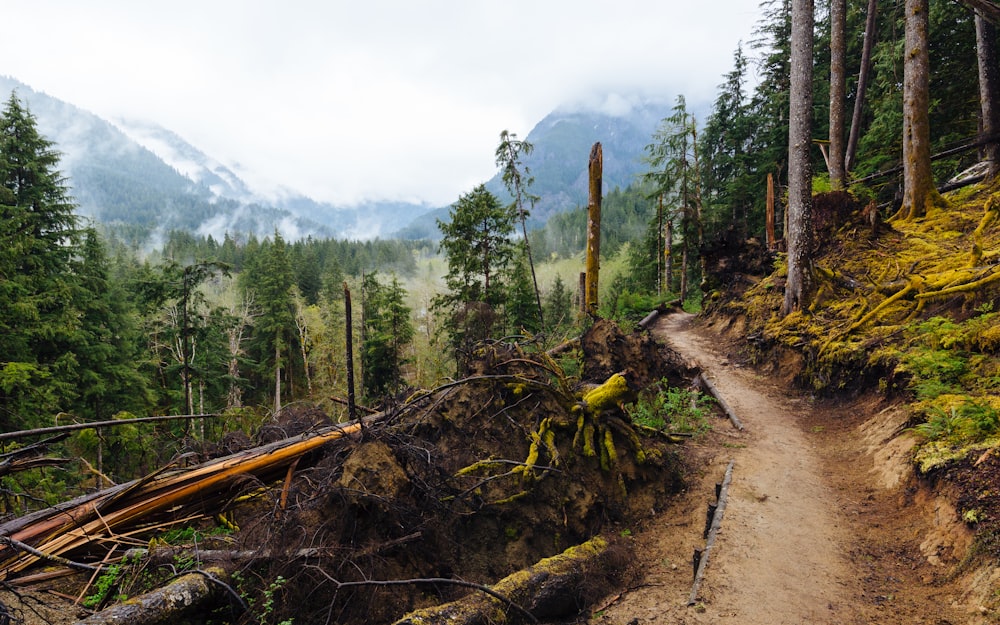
769, 227
277, 375
349, 339
698, 212
798, 288
918, 182
668, 255
660, 236
595, 169
989, 89
859, 98
684, 269
838, 90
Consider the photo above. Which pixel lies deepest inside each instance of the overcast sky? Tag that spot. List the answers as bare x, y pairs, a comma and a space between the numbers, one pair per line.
366, 99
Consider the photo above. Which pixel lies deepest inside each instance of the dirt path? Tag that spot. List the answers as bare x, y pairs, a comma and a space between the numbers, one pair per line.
797, 543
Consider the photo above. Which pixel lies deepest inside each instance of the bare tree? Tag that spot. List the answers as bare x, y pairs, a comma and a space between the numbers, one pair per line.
798, 288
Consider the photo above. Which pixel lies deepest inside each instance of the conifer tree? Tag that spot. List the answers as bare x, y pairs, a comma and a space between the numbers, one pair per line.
387, 333
476, 242
39, 237
270, 279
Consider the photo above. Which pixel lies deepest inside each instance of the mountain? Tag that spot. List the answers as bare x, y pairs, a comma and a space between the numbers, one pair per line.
142, 180
561, 144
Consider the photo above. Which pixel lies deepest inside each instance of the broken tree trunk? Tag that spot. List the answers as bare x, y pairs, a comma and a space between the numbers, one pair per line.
58, 530
549, 589
191, 594
595, 168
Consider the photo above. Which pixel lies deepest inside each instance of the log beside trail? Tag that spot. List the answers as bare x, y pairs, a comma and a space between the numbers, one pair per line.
549, 589
190, 594
714, 392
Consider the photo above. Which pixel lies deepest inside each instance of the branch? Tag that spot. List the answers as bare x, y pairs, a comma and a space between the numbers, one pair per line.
4, 436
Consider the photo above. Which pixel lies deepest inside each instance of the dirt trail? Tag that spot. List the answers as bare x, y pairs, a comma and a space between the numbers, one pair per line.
797, 542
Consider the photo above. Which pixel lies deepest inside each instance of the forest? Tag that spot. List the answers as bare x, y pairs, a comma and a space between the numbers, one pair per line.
232, 333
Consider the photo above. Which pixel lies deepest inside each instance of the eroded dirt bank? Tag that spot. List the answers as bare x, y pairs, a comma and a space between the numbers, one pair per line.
824, 522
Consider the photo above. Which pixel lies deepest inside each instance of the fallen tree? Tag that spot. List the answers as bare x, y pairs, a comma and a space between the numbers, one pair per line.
190, 594
55, 531
550, 589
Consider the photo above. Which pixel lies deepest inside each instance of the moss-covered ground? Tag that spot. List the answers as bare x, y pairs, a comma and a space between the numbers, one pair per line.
908, 308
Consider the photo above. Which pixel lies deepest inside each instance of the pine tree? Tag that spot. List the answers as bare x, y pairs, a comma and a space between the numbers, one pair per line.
558, 307
39, 237
479, 250
271, 280
387, 333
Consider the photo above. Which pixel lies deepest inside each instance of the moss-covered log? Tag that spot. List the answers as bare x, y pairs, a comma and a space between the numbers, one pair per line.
549, 589
194, 593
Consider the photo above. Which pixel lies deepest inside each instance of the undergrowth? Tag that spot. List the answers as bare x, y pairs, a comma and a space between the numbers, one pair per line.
671, 409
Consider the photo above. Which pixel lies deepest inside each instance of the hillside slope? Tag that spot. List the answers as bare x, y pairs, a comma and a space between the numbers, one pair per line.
905, 310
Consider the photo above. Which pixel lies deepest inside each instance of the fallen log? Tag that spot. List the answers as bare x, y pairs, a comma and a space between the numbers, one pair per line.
701, 558
549, 589
714, 392
191, 594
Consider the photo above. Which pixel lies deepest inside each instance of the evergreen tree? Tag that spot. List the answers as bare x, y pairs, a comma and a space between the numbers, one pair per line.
387, 333
522, 305
270, 279
106, 341
39, 238
727, 146
558, 307
479, 250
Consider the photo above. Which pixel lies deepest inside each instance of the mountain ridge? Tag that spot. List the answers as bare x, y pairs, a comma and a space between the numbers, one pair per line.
139, 179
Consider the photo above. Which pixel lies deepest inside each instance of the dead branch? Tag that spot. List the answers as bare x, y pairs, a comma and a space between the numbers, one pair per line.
16, 544
6, 436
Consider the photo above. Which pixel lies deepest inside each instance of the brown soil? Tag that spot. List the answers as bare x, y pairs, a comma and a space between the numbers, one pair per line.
824, 523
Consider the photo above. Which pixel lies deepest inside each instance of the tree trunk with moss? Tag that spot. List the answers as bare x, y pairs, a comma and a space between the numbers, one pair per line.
194, 594
918, 183
799, 285
550, 589
595, 169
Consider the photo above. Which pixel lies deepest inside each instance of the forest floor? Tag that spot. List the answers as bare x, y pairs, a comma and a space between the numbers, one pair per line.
822, 523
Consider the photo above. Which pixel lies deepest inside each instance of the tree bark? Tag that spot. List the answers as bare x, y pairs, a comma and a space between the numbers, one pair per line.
799, 286
859, 98
349, 340
548, 590
595, 169
838, 90
989, 89
918, 182
772, 240
194, 593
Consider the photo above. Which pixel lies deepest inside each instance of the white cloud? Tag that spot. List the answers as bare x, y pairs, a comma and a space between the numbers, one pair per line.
350, 100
